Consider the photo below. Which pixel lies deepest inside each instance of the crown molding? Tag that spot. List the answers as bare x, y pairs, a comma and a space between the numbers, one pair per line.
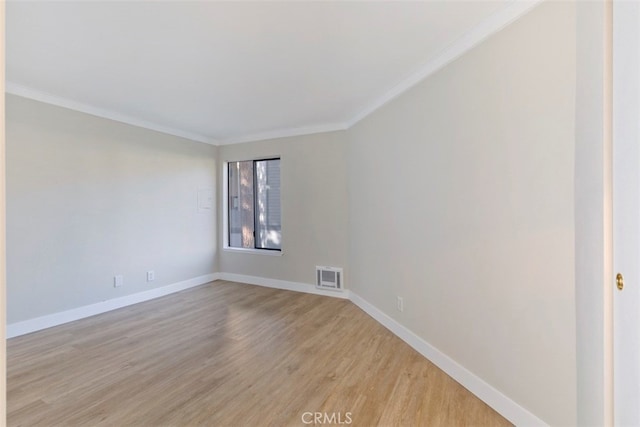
283, 133
496, 22
37, 95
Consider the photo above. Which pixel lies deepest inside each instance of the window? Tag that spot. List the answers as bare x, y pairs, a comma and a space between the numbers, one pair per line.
254, 219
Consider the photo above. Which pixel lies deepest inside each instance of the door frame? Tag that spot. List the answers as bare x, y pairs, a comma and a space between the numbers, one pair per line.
626, 212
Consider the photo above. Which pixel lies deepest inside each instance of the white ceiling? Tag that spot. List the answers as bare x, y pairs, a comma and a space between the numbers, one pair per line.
223, 72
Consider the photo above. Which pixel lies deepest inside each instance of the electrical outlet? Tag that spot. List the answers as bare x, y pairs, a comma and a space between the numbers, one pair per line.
118, 281
151, 276
400, 304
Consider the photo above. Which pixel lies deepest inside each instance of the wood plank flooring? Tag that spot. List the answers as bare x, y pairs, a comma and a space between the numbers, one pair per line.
228, 354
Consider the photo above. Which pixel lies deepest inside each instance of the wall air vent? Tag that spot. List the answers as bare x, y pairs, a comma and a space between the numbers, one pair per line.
329, 278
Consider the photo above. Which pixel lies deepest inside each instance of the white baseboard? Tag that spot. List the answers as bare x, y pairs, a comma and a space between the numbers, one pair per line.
492, 397
485, 392
282, 284
55, 319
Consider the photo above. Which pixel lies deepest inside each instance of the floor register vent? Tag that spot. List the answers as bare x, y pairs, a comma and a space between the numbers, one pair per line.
329, 278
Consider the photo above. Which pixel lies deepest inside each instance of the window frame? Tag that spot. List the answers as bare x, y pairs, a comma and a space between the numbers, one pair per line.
225, 199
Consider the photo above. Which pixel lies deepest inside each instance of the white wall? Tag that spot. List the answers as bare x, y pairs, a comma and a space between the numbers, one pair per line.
3, 321
314, 207
461, 200
89, 198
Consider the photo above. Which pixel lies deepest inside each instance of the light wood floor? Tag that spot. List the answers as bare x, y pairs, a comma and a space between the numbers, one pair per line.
226, 354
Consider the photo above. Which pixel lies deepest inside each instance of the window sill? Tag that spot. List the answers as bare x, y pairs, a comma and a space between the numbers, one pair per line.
252, 251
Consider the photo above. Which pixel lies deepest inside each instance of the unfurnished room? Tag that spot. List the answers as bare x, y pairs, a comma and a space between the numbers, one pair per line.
292, 213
